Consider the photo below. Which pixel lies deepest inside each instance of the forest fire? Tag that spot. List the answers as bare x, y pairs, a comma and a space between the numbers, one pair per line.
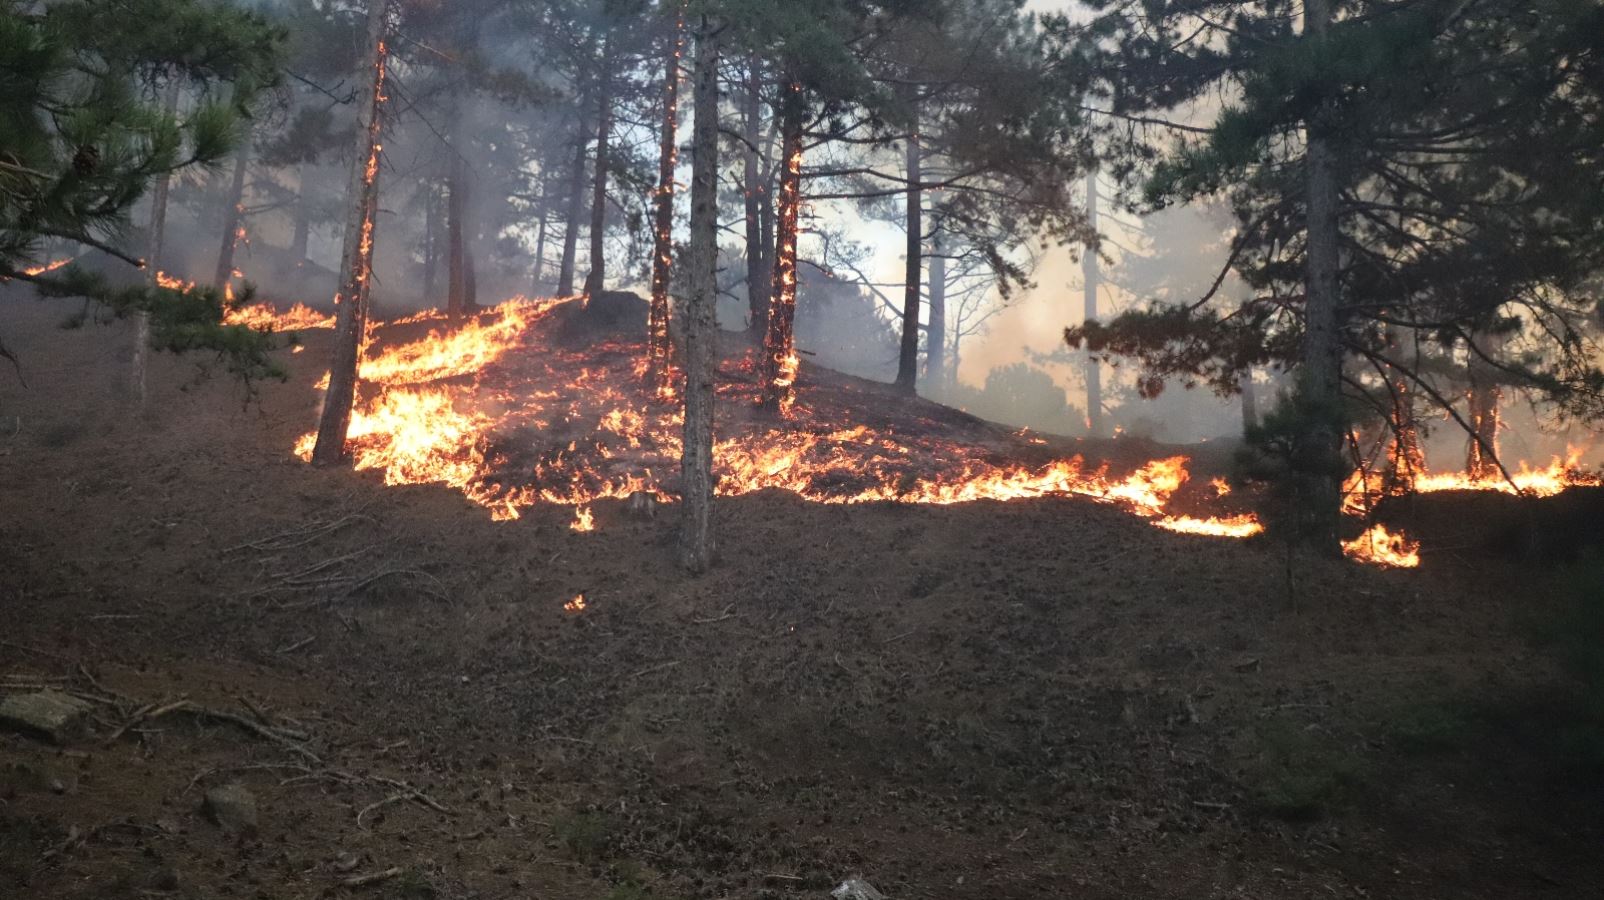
458, 407
1381, 547
264, 317
46, 268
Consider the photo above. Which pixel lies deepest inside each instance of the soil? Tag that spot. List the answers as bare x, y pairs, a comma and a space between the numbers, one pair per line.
1042, 698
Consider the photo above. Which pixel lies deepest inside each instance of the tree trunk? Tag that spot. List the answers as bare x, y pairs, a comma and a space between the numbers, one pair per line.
936, 335
1250, 402
701, 330
1320, 382
431, 245
596, 281
1092, 273
1405, 458
1481, 461
233, 218
908, 354
356, 261
538, 281
456, 211
153, 259
756, 189
576, 209
657, 338
780, 362
301, 237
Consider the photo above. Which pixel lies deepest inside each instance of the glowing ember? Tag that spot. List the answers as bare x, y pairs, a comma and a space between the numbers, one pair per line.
584, 520
264, 317
576, 605
1381, 547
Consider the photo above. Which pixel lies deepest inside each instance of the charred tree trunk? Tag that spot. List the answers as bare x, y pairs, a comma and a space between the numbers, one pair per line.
1250, 401
1092, 273
1405, 458
936, 335
356, 262
456, 211
301, 237
431, 245
657, 338
153, 259
233, 218
757, 198
1320, 382
701, 330
539, 279
1486, 392
596, 281
780, 362
908, 354
576, 210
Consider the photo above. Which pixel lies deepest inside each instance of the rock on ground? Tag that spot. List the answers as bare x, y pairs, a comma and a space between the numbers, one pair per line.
49, 714
232, 808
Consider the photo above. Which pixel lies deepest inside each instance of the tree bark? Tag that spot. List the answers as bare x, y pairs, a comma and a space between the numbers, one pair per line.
357, 259
233, 217
780, 361
1092, 275
756, 190
1481, 459
576, 210
456, 212
1250, 402
539, 279
1320, 382
701, 330
657, 338
301, 237
153, 259
596, 281
908, 353
936, 334
431, 245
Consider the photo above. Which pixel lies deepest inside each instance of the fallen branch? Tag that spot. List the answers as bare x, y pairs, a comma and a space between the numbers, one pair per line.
373, 878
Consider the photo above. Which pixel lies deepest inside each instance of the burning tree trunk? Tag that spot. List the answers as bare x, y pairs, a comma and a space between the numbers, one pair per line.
1320, 382
1092, 272
357, 259
1481, 462
780, 361
658, 348
936, 336
701, 330
596, 280
153, 257
576, 209
757, 197
908, 355
233, 217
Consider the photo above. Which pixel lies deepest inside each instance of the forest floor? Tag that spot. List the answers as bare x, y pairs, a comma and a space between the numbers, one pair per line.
1042, 698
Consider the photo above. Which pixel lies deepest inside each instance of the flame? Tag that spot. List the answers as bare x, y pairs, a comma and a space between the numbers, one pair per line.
1378, 546
584, 520
576, 605
1365, 487
264, 317
47, 267
173, 284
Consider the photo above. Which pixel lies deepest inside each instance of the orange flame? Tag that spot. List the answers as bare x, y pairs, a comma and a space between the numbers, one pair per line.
264, 317
1381, 547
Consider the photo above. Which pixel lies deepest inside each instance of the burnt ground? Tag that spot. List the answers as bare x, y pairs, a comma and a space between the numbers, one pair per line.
1042, 698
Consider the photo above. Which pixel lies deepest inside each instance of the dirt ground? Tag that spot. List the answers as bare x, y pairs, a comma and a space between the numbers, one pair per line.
1041, 698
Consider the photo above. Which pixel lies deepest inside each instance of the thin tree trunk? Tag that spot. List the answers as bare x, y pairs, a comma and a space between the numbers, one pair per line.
1405, 458
1092, 272
233, 217
431, 245
357, 260
780, 362
908, 354
756, 190
701, 330
936, 335
153, 260
1320, 383
657, 337
596, 281
456, 210
1250, 401
536, 283
1481, 460
301, 237
576, 209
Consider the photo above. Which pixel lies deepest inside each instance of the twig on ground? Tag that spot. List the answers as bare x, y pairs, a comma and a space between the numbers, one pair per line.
372, 878
729, 613
657, 668
297, 645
